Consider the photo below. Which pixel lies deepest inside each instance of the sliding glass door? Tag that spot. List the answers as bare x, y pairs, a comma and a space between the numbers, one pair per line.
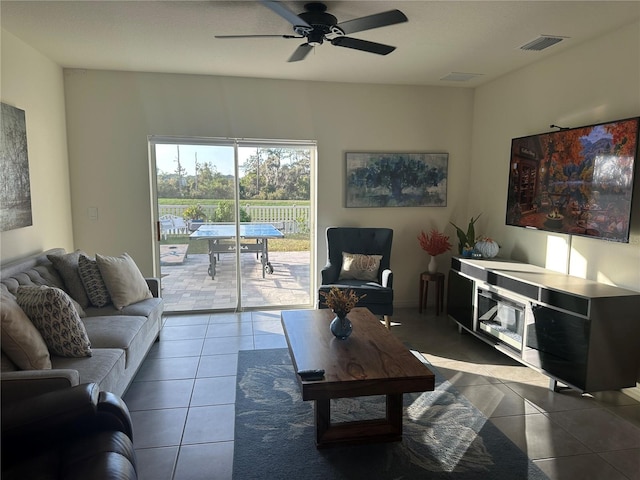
234, 222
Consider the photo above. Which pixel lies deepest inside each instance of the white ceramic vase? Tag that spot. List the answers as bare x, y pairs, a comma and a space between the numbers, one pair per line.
433, 265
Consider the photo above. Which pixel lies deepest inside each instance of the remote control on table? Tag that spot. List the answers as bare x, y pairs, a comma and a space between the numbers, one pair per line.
311, 375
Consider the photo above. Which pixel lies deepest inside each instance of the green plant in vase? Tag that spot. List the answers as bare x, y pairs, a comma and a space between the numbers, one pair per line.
466, 240
194, 212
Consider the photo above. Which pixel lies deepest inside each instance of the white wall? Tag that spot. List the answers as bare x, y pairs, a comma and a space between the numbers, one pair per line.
33, 83
594, 82
111, 113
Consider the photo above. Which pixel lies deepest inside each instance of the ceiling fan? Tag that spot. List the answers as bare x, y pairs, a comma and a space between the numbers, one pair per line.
316, 25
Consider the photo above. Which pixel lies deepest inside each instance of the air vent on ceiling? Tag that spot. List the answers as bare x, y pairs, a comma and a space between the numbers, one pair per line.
461, 77
542, 42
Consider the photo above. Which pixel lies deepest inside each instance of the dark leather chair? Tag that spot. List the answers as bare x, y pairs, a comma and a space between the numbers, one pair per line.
362, 241
68, 434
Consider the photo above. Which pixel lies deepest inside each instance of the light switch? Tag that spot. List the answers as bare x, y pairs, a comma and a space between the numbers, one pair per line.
93, 214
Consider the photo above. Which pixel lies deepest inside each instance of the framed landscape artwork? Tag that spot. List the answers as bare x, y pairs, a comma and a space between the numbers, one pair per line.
396, 179
15, 189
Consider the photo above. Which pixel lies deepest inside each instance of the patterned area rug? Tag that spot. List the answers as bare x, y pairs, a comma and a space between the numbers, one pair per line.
444, 435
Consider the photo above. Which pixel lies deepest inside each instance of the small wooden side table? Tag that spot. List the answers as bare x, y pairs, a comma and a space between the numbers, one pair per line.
425, 278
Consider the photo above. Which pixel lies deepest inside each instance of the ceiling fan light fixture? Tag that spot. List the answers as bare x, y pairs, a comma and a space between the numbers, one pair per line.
315, 38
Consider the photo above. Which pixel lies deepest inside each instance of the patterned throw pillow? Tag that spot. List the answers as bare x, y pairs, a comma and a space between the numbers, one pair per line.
93, 282
53, 314
360, 267
67, 266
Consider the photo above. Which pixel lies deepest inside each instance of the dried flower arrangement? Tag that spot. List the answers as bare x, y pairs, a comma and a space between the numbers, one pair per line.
340, 301
435, 243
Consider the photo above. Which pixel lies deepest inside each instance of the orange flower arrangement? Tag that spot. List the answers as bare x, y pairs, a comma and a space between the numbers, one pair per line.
435, 243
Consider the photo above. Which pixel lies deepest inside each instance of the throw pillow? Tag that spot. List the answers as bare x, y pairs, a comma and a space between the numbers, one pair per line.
67, 266
123, 279
52, 312
356, 266
92, 281
21, 341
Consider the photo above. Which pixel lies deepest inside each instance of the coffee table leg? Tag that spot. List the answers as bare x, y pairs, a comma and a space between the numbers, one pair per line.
323, 419
394, 413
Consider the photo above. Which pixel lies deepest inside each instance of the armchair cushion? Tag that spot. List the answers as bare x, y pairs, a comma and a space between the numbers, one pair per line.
356, 266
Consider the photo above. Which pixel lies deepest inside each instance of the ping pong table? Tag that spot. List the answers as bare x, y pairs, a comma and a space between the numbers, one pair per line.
216, 233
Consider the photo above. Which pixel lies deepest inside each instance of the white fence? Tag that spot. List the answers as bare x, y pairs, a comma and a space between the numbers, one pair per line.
288, 219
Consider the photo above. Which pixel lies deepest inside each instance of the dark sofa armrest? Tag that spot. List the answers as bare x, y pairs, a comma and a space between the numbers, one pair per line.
329, 274
387, 278
56, 416
23, 384
154, 286
115, 413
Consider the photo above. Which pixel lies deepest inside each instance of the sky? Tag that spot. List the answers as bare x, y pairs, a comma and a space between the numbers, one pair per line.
220, 156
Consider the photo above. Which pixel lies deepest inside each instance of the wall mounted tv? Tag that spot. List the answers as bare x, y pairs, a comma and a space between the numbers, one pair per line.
576, 181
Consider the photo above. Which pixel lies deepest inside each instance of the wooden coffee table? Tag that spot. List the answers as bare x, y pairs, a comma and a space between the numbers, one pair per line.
372, 361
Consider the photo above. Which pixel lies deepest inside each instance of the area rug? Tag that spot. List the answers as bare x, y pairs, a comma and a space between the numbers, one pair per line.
444, 435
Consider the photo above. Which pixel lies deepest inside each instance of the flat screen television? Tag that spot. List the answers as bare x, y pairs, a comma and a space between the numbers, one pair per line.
576, 181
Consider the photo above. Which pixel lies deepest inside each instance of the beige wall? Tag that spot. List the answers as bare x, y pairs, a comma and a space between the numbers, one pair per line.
595, 82
33, 83
110, 114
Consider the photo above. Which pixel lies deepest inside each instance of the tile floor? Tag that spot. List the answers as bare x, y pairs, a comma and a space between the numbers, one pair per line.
182, 400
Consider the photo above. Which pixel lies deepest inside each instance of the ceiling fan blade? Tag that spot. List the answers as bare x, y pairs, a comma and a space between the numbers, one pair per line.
285, 13
256, 36
364, 45
372, 21
301, 52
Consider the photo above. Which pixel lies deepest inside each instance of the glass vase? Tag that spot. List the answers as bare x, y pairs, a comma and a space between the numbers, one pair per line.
341, 327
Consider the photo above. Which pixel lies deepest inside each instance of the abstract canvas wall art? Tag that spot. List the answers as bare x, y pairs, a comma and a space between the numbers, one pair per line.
396, 179
15, 188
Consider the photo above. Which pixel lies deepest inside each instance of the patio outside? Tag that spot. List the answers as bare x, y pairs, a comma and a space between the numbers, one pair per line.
187, 285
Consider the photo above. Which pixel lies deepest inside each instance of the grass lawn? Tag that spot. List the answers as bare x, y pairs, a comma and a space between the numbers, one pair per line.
298, 242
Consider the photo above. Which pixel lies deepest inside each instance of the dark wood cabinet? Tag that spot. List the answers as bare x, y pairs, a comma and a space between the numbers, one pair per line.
582, 333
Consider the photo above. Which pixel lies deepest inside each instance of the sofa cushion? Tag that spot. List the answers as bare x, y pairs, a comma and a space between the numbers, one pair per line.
67, 266
123, 279
21, 341
93, 282
356, 266
145, 308
106, 367
52, 312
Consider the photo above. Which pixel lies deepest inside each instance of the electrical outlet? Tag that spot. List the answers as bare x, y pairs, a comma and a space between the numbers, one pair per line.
93, 213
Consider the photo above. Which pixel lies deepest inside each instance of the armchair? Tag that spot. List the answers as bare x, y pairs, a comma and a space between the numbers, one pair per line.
353, 254
71, 433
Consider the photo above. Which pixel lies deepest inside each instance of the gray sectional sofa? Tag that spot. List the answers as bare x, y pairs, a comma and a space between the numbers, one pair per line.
120, 339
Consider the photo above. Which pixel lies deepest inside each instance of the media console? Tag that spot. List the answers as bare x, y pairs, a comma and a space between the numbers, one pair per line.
581, 333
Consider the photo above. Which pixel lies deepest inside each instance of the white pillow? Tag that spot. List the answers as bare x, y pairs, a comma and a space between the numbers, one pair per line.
123, 279
356, 266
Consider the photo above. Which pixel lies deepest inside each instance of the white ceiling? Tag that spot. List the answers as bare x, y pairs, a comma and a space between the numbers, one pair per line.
481, 37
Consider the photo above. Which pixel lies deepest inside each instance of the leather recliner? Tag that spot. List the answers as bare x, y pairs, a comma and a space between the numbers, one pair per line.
68, 434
